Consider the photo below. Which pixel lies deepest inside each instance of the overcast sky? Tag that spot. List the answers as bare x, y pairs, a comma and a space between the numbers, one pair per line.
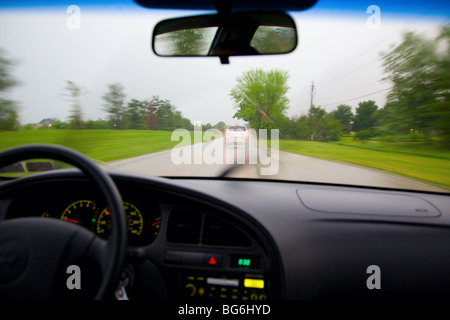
340, 52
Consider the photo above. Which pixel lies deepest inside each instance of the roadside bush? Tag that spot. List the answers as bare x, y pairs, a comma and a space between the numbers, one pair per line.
366, 134
411, 137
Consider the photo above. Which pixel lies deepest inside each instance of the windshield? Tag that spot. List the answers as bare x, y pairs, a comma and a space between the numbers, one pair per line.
362, 100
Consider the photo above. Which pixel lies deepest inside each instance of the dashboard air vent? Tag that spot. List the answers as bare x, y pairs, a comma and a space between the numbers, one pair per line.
221, 233
192, 227
184, 227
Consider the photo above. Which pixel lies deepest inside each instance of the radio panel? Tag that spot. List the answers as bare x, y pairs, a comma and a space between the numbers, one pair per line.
239, 286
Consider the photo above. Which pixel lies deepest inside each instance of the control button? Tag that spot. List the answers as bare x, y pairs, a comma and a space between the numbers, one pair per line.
194, 258
223, 282
191, 289
213, 260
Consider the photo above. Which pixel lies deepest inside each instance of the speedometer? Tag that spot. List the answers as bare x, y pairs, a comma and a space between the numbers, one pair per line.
134, 219
81, 212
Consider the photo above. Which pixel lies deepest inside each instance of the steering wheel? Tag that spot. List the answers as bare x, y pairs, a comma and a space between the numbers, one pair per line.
36, 253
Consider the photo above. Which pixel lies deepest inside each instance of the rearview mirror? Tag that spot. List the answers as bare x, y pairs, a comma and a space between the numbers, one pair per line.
225, 35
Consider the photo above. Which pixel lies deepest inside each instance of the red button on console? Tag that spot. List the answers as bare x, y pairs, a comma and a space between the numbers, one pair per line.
213, 260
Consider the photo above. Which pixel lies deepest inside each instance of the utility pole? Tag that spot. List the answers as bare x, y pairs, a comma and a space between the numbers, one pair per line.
310, 111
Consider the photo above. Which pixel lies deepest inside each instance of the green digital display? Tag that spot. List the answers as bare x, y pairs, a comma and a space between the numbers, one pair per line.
244, 262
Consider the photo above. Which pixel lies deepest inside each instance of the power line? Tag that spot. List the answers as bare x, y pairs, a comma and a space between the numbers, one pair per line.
436, 4
358, 68
356, 57
351, 90
329, 74
366, 95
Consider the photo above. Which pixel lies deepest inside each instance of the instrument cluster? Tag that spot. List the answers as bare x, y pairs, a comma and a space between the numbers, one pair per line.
143, 226
82, 205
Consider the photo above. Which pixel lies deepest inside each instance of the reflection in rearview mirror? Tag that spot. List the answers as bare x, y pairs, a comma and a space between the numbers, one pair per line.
236, 34
274, 39
185, 42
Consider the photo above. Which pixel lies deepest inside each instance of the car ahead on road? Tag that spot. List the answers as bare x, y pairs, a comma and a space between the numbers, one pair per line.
236, 135
96, 233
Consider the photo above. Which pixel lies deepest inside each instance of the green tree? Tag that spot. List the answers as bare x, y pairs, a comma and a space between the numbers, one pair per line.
187, 124
115, 105
73, 95
60, 125
419, 69
324, 127
150, 117
260, 98
97, 124
207, 126
8, 108
165, 114
169, 118
220, 126
296, 128
135, 114
365, 116
344, 114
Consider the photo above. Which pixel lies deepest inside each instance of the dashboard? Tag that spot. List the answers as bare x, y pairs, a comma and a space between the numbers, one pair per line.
227, 239
192, 249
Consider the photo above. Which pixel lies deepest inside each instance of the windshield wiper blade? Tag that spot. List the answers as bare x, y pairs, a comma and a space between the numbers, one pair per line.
229, 170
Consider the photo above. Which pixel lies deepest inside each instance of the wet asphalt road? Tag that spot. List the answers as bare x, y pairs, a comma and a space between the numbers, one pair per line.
211, 159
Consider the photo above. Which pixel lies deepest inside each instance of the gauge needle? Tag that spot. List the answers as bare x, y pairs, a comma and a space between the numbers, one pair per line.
155, 223
70, 220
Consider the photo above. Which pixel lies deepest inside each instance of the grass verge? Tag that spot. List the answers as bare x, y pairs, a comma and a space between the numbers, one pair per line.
420, 162
101, 145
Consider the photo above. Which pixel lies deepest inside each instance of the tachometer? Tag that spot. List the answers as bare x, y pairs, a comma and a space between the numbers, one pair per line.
134, 218
82, 212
